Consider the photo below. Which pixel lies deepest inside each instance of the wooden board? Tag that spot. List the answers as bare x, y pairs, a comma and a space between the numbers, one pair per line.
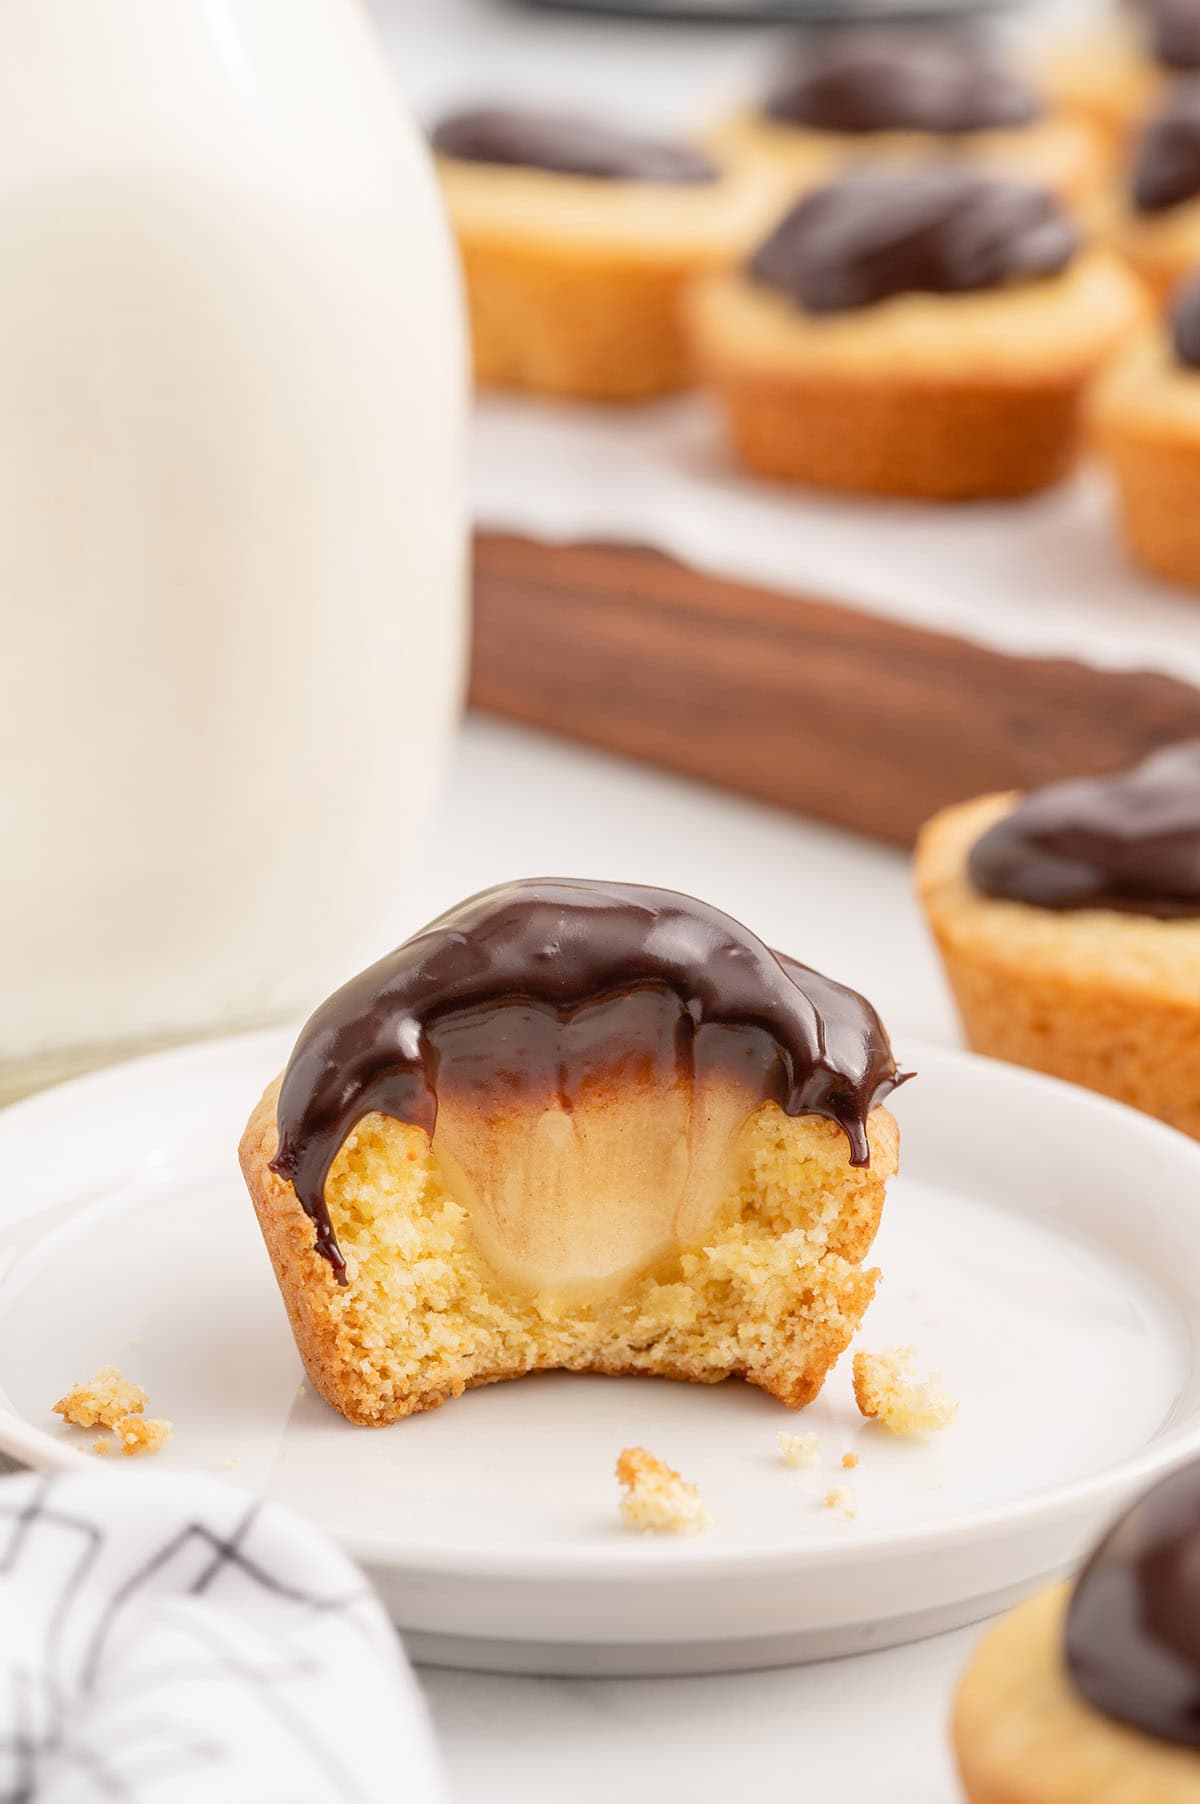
836, 713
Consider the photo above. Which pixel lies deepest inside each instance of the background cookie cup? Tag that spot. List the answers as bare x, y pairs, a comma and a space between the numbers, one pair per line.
1107, 1000
1023, 1736
574, 284
1146, 419
1107, 76
936, 396
872, 91
1063, 154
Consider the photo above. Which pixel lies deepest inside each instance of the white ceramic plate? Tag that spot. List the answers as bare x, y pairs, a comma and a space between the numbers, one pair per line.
1039, 1250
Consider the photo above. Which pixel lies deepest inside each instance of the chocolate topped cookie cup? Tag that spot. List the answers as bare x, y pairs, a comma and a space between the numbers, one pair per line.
1146, 419
580, 1125
1068, 922
577, 241
924, 332
1152, 217
1090, 1694
867, 92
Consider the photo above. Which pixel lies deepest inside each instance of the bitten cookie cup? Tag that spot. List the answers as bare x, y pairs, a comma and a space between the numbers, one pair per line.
1023, 1736
767, 1283
1146, 422
575, 284
1066, 155
936, 397
594, 1126
1104, 999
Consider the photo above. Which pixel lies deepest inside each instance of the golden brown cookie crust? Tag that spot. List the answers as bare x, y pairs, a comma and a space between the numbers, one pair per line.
929, 396
1069, 156
1110, 1001
341, 1342
1146, 421
1022, 1735
575, 286
1104, 77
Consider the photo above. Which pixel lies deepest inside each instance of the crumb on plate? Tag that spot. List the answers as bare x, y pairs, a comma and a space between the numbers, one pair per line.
141, 1434
886, 1391
798, 1449
849, 1460
103, 1445
655, 1499
839, 1499
102, 1401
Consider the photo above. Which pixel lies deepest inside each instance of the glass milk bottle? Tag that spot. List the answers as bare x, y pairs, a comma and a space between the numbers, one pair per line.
232, 400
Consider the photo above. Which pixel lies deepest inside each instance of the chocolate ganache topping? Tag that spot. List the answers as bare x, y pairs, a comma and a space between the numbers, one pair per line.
514, 996
1185, 322
945, 229
872, 79
1133, 1623
1173, 27
566, 145
1129, 842
1166, 165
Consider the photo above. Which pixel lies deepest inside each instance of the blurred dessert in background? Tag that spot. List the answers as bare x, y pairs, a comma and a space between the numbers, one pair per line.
872, 91
924, 331
1114, 73
1153, 220
1068, 922
1090, 1694
582, 1125
577, 242
1146, 413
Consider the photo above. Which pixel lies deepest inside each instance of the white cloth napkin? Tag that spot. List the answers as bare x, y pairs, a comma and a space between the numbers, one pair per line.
1046, 577
171, 1640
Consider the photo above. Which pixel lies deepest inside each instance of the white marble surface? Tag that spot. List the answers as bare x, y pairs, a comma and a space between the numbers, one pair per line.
868, 1730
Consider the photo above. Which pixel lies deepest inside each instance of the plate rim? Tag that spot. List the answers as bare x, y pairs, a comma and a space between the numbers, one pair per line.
690, 1557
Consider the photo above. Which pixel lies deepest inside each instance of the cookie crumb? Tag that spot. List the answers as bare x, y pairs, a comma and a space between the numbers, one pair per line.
839, 1499
102, 1401
141, 1434
798, 1449
886, 1391
230, 1464
656, 1499
849, 1460
102, 1446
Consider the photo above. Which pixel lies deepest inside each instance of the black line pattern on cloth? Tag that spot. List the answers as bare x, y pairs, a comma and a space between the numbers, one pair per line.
41, 1679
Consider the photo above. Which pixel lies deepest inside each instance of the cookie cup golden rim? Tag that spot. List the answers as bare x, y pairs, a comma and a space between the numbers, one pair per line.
1056, 330
1102, 75
1022, 1735
1064, 154
584, 218
1145, 418
1161, 248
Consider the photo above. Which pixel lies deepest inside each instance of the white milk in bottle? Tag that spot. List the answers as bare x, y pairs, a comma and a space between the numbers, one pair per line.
232, 399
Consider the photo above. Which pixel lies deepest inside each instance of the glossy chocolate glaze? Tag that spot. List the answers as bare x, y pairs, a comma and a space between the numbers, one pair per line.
513, 999
1184, 322
566, 145
874, 79
944, 229
1166, 163
1132, 1640
1129, 842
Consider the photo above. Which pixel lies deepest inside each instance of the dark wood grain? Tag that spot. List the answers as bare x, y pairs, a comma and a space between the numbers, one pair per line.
833, 712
